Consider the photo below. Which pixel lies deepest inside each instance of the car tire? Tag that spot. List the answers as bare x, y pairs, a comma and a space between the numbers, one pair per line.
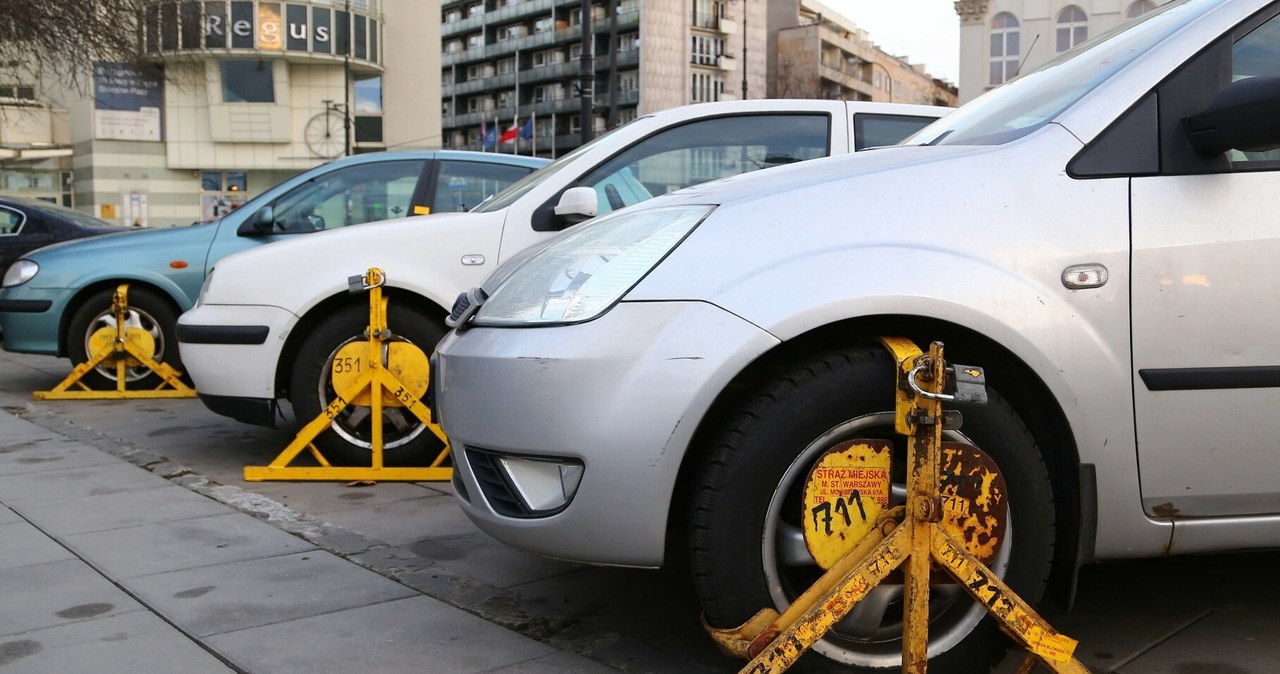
348, 441
148, 310
745, 522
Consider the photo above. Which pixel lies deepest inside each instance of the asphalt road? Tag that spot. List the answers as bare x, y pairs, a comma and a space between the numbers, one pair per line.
1212, 614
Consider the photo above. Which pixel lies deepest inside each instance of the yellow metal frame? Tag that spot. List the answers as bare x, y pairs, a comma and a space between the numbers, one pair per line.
128, 346
375, 380
908, 536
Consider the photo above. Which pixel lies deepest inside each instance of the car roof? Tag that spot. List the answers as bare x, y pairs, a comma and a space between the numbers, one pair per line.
450, 155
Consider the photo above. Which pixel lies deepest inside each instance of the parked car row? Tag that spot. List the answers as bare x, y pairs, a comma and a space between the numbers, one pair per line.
300, 314
53, 299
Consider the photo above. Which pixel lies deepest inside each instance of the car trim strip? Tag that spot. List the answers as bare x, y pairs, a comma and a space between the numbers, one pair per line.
1202, 378
222, 334
25, 306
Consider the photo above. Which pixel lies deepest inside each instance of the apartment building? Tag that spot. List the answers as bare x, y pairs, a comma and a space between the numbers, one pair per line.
1001, 38
815, 52
513, 66
252, 92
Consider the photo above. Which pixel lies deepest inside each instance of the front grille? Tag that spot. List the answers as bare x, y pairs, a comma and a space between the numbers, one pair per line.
493, 484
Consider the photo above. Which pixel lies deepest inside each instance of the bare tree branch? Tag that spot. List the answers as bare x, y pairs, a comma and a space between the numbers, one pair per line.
61, 39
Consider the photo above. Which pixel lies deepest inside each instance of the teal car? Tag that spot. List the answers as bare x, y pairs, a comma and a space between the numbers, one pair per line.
54, 298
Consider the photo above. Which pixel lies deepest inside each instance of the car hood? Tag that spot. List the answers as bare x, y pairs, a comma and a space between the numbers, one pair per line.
782, 179
160, 240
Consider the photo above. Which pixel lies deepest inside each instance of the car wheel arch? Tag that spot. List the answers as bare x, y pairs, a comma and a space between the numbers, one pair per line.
326, 307
1019, 384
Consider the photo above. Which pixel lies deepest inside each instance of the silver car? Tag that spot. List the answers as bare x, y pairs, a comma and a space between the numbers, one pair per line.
1100, 235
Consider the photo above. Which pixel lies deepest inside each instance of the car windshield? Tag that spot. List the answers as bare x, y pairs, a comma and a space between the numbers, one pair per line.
519, 188
1035, 99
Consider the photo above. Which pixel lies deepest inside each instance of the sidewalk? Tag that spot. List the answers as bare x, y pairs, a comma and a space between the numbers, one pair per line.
106, 567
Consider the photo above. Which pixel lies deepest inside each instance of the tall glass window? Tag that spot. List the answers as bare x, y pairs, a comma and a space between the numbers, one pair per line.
1004, 48
1073, 28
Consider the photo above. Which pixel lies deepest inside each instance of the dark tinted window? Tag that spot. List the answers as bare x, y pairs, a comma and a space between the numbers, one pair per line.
350, 196
878, 130
247, 82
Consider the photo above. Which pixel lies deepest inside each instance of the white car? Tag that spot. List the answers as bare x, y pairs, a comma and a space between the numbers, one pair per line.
269, 321
1100, 235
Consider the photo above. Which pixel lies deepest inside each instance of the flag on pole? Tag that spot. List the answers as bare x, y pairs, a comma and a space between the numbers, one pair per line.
509, 136
526, 131
489, 138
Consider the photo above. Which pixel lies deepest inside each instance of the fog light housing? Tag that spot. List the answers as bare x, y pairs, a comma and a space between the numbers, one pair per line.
525, 486
543, 486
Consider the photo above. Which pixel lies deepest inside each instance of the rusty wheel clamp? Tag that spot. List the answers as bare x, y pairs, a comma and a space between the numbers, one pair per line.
121, 347
397, 376
877, 541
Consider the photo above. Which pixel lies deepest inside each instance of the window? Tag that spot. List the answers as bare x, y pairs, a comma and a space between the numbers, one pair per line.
1257, 55
368, 92
706, 88
452, 15
475, 9
544, 24
463, 184
871, 130
247, 82
20, 92
705, 150
629, 80
629, 41
546, 92
1139, 8
475, 40
1073, 28
506, 66
1004, 48
10, 222
350, 196
706, 50
513, 32
221, 192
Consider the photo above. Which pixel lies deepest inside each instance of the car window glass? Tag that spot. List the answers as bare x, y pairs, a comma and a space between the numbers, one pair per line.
1257, 55
10, 221
349, 196
878, 130
705, 150
464, 184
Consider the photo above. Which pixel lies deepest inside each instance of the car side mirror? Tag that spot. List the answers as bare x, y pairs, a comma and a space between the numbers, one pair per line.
578, 204
1245, 115
258, 224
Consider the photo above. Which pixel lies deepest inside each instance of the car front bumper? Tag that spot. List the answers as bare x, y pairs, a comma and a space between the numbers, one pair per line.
621, 396
232, 351
30, 318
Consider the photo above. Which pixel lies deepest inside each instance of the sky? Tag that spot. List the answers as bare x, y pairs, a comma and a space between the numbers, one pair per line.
925, 31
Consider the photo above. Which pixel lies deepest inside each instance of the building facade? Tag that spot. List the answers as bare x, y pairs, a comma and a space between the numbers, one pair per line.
252, 92
1001, 38
512, 67
817, 53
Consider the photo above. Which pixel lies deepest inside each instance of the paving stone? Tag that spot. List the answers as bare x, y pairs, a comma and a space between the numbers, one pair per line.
238, 595
131, 643
185, 544
23, 545
121, 509
411, 635
56, 593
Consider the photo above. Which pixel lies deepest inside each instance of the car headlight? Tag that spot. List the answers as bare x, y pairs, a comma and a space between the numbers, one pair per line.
582, 275
19, 272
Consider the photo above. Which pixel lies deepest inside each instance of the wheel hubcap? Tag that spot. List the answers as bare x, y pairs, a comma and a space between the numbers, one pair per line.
354, 423
134, 318
871, 634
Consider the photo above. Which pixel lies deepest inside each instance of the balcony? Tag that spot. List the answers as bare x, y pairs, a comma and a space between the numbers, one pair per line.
465, 26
